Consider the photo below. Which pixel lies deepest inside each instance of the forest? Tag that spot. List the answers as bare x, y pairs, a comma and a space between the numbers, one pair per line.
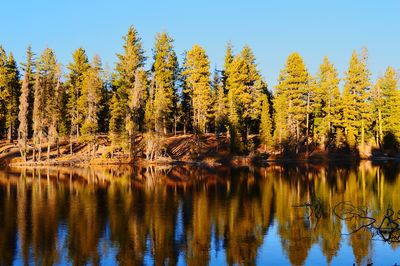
43, 103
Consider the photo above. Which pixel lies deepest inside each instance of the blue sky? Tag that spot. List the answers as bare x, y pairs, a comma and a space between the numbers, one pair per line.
273, 29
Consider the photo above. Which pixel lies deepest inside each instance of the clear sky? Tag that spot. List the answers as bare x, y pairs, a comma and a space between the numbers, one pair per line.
273, 29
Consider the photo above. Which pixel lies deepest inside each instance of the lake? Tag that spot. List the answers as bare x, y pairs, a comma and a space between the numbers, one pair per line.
187, 215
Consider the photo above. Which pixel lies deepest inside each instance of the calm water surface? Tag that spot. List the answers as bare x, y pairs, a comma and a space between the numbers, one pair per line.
191, 216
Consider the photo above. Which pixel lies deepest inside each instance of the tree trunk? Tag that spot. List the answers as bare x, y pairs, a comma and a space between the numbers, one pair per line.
58, 147
70, 145
48, 149
164, 126
362, 134
40, 149
9, 135
175, 125
380, 128
307, 122
34, 148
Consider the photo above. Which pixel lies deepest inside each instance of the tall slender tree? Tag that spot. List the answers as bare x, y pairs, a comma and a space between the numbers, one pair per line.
89, 102
326, 102
23, 116
29, 68
386, 105
228, 59
123, 84
137, 103
292, 99
266, 124
47, 105
9, 95
3, 83
185, 101
197, 72
38, 117
165, 70
77, 69
356, 96
219, 108
245, 88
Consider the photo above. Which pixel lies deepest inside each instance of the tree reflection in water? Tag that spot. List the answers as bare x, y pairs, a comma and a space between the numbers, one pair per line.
163, 215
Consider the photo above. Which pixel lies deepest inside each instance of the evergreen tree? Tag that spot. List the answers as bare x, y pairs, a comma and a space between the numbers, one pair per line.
38, 116
63, 124
266, 124
106, 92
228, 59
3, 83
245, 88
219, 104
89, 101
29, 68
46, 113
186, 102
137, 99
197, 72
124, 83
356, 97
292, 97
386, 105
77, 69
23, 116
165, 69
58, 106
137, 103
280, 104
149, 108
9, 95
326, 102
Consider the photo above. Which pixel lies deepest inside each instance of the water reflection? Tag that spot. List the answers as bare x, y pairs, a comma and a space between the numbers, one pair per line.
188, 215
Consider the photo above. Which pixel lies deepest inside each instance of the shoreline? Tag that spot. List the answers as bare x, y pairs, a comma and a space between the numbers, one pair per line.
234, 161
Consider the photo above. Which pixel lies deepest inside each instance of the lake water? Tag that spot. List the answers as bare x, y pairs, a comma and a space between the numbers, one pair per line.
192, 216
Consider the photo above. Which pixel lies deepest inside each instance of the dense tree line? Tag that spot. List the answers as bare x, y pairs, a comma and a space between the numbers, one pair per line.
46, 104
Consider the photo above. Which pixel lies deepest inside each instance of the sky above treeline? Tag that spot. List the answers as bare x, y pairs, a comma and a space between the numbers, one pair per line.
273, 29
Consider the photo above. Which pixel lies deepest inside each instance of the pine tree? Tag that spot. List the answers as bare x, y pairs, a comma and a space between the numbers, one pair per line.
63, 124
58, 107
280, 104
149, 108
219, 104
137, 99
229, 56
77, 69
9, 95
124, 83
106, 92
165, 69
326, 102
186, 102
386, 105
46, 113
291, 101
29, 68
356, 97
266, 124
38, 117
245, 87
197, 72
23, 116
89, 101
137, 102
3, 83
